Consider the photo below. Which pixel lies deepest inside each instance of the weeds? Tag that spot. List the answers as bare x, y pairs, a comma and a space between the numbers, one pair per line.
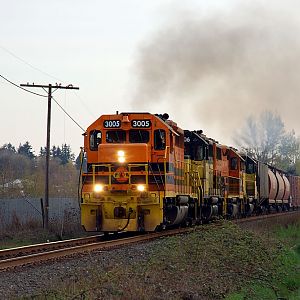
19, 233
284, 282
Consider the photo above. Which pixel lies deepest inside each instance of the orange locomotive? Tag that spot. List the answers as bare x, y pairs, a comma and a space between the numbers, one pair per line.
145, 173
135, 179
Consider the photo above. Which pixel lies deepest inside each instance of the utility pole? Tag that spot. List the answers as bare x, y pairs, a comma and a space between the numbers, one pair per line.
50, 88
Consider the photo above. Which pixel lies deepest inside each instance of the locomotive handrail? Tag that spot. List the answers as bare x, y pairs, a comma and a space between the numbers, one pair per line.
146, 170
102, 165
166, 151
110, 173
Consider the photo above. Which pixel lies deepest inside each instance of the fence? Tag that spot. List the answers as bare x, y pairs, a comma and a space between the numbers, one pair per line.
62, 212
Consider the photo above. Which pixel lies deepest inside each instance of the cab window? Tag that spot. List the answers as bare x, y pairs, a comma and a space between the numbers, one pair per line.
250, 168
219, 153
95, 139
138, 136
116, 136
159, 139
171, 142
199, 152
233, 163
210, 150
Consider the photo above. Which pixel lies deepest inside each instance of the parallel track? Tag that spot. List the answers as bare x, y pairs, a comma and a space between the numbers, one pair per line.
10, 258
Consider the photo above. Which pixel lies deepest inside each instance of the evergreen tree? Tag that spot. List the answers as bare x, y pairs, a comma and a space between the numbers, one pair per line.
43, 151
8, 147
26, 150
66, 154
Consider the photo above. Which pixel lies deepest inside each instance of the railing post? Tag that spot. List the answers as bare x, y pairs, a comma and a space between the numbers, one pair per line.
147, 174
93, 167
109, 176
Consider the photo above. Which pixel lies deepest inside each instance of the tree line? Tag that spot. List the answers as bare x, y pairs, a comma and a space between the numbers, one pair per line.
265, 138
22, 172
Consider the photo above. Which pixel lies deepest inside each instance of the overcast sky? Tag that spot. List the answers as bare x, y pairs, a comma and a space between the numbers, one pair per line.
122, 56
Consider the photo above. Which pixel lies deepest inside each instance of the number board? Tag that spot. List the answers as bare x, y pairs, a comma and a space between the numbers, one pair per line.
141, 123
112, 124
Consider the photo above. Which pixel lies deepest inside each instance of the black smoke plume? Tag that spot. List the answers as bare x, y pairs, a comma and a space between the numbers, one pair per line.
212, 71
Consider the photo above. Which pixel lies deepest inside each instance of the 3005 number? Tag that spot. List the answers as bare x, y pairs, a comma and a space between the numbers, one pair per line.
112, 124
141, 123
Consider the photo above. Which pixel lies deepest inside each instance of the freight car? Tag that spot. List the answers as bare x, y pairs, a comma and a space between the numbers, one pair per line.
144, 173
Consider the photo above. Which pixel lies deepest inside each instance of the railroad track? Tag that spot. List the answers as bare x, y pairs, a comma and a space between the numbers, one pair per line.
32, 249
263, 217
15, 257
42, 252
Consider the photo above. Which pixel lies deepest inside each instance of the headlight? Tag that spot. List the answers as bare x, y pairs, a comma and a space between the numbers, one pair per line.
121, 156
121, 153
141, 188
121, 159
98, 188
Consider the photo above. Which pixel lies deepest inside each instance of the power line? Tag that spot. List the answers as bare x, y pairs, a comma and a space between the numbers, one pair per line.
19, 87
47, 74
37, 94
28, 64
68, 114
85, 106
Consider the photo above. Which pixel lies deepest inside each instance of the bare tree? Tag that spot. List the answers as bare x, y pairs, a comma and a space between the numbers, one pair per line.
264, 137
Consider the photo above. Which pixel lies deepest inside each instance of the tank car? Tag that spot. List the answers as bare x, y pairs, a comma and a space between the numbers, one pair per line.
273, 188
294, 202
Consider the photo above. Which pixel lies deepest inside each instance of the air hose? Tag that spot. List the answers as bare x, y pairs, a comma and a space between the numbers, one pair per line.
130, 211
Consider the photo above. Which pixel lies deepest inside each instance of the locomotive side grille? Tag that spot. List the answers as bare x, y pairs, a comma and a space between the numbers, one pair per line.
234, 185
137, 179
250, 188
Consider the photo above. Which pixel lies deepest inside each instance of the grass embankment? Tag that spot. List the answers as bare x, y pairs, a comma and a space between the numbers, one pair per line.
284, 279
20, 235
24, 237
212, 263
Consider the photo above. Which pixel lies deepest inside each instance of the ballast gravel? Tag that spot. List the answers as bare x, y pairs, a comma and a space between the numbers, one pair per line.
33, 280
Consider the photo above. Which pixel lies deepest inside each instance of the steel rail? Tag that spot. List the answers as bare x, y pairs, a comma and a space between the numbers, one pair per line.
104, 245
48, 246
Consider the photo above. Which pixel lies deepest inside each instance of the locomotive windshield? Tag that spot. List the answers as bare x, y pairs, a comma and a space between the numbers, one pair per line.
95, 139
139, 136
116, 136
159, 139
